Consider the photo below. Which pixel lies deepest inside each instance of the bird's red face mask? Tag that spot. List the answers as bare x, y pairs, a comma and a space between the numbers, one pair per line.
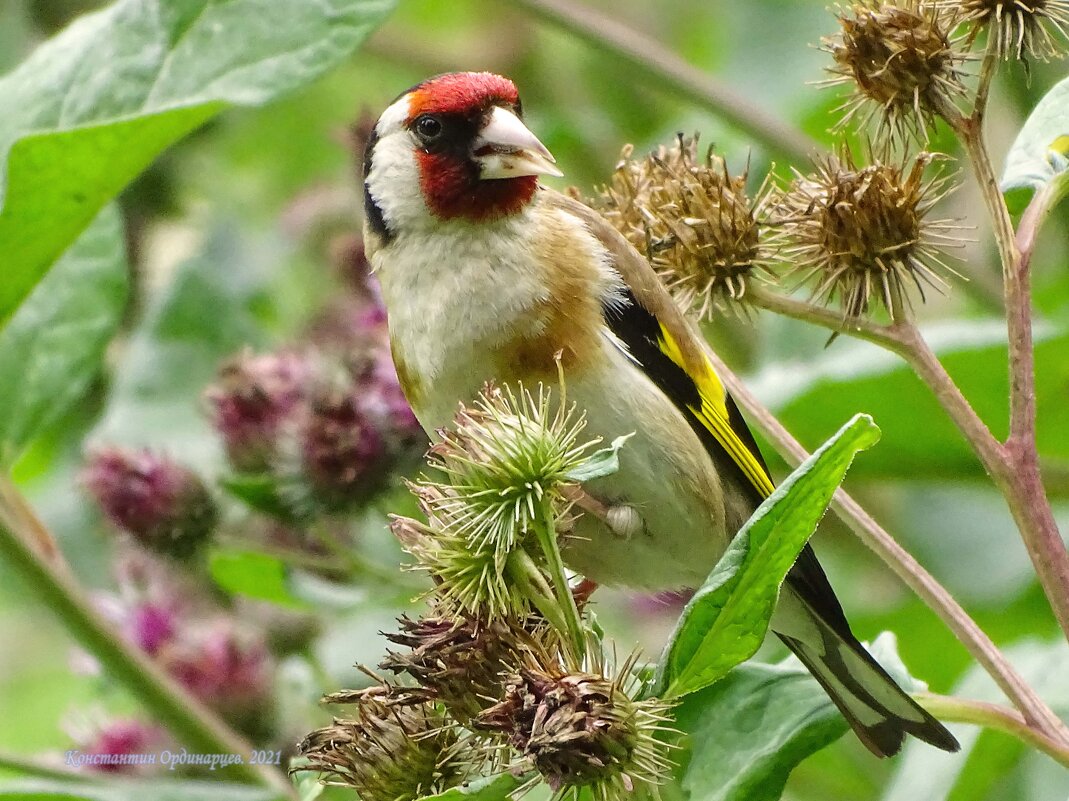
477, 160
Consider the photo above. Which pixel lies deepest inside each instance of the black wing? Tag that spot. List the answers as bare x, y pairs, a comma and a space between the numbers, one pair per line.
716, 420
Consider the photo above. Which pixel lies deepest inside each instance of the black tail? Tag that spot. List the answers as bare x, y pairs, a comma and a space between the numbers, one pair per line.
877, 709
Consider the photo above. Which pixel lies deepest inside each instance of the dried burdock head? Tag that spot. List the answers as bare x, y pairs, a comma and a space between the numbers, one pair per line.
505, 462
1021, 28
461, 661
903, 66
583, 730
863, 234
393, 750
692, 219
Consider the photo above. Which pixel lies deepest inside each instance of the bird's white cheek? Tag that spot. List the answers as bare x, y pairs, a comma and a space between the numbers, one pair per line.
394, 183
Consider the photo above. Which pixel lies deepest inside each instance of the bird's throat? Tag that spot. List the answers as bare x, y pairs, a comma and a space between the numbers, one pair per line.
453, 190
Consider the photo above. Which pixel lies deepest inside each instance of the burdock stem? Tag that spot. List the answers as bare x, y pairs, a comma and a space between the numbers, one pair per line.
546, 532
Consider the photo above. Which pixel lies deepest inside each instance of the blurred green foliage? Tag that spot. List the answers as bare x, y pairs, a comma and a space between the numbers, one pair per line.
228, 236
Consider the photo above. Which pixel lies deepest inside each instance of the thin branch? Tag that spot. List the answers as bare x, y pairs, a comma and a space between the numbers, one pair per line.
993, 716
914, 349
16, 763
905, 567
858, 327
183, 715
669, 71
983, 86
1016, 472
1020, 481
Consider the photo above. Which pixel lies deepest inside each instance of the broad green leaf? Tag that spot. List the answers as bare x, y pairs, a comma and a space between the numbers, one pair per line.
726, 620
96, 788
918, 440
253, 574
1040, 154
490, 788
603, 462
746, 733
54, 345
93, 106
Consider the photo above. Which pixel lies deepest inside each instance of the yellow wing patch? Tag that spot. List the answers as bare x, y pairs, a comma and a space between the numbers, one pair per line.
713, 415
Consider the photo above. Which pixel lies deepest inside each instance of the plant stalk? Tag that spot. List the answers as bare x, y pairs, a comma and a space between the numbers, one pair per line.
546, 532
992, 716
1017, 474
667, 70
184, 716
1019, 478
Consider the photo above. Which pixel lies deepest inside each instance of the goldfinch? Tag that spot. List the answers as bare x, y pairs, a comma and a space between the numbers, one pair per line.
488, 275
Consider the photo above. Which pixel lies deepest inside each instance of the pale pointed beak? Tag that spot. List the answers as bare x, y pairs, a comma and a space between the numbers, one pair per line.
505, 148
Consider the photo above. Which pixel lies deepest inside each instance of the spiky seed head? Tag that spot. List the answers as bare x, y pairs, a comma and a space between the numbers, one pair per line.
582, 730
863, 234
392, 750
692, 219
460, 660
904, 68
1021, 28
504, 460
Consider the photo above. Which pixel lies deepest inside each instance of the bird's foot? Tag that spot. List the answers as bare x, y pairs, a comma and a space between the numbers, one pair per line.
582, 591
622, 520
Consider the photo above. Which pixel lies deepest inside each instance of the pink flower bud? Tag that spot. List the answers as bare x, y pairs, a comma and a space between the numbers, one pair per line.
341, 450
226, 667
254, 397
162, 504
115, 745
151, 626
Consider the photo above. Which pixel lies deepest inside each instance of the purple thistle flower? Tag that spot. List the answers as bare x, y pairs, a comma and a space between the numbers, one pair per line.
341, 449
254, 397
162, 504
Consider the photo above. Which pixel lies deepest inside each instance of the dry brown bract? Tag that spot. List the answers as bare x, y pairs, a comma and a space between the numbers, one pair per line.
862, 233
902, 64
692, 220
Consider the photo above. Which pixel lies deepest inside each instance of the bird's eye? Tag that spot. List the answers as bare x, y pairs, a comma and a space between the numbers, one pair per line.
428, 128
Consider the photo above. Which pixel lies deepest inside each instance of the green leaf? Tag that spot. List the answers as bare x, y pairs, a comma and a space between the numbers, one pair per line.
260, 492
603, 462
726, 620
54, 345
1039, 154
96, 789
93, 106
919, 441
253, 574
746, 733
489, 788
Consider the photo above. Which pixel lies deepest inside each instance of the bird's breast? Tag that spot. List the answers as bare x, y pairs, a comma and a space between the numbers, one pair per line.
474, 303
